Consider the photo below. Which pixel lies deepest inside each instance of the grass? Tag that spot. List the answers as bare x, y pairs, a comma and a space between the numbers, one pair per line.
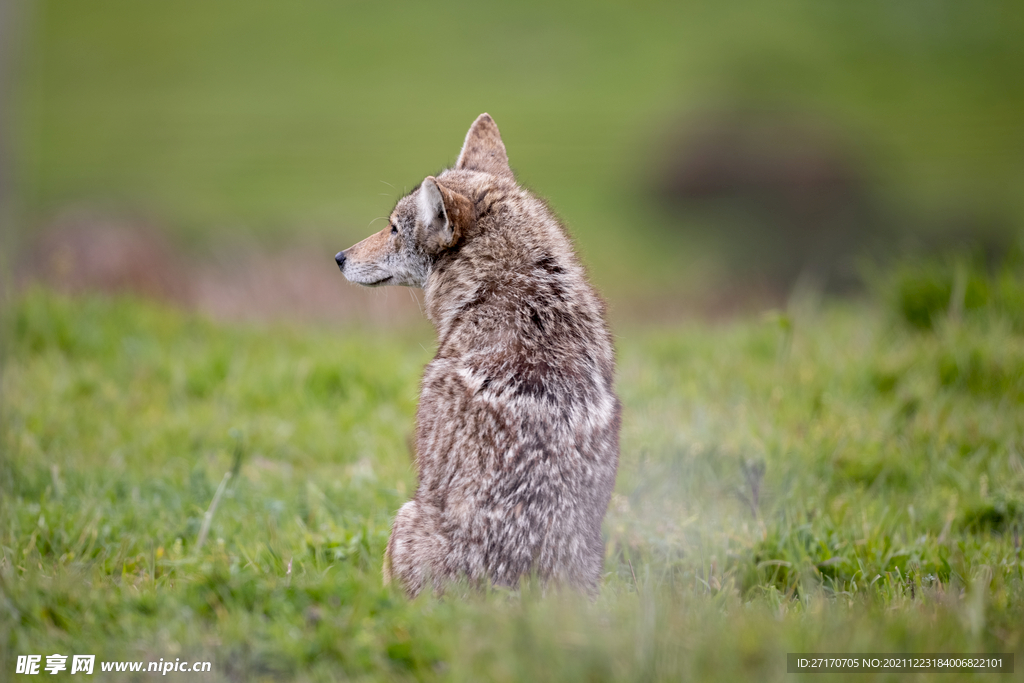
840, 478
830, 479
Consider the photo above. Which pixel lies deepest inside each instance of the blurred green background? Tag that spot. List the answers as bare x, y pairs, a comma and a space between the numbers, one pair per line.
842, 477
684, 144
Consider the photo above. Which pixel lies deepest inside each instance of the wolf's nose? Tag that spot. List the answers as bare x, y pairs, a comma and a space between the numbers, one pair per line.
340, 258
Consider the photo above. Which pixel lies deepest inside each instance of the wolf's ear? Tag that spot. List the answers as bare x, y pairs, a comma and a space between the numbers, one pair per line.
442, 214
432, 216
483, 149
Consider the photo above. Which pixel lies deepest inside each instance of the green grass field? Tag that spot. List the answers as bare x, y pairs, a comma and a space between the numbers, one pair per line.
835, 477
831, 479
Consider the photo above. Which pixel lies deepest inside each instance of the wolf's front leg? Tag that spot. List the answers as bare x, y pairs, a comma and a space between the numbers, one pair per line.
416, 550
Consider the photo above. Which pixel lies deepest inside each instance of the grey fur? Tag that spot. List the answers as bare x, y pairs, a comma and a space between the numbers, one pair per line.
517, 430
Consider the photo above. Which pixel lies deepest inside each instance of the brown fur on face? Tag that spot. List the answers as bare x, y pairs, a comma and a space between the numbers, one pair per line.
517, 430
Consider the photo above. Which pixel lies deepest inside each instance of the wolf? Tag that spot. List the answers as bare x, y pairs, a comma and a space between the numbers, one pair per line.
517, 427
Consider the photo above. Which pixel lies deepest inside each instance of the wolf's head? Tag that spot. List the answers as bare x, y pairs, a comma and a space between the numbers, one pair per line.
427, 221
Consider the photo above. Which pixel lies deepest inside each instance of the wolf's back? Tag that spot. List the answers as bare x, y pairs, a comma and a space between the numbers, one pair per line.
518, 421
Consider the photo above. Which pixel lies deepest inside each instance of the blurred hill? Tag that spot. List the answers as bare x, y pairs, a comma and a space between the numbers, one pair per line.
688, 148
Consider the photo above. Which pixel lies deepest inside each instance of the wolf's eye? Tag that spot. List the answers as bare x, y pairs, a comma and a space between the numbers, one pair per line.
394, 230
